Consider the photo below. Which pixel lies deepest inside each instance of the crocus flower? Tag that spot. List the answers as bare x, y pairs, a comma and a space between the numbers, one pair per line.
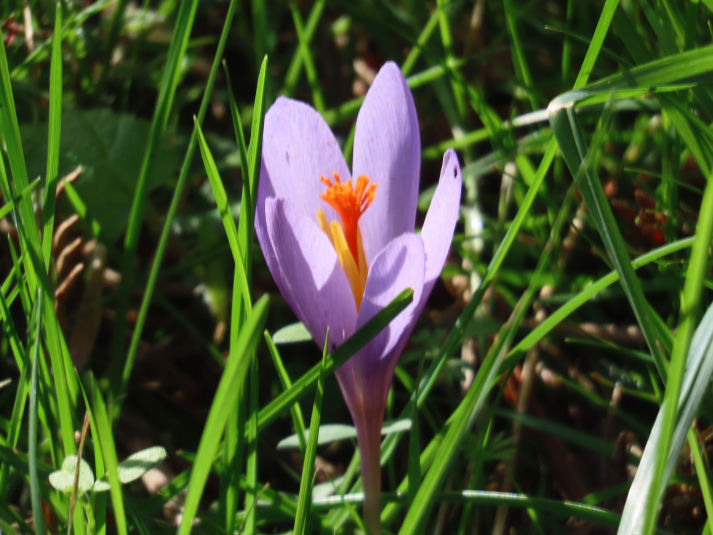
341, 245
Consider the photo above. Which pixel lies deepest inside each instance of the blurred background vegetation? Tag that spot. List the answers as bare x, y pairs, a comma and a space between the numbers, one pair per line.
539, 375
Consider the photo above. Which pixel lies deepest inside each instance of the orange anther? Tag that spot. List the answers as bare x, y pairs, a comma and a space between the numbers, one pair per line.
350, 204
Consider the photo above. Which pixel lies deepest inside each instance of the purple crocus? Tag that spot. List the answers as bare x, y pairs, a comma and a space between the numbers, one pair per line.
341, 248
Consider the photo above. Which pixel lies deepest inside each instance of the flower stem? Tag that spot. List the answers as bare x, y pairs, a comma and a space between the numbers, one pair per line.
369, 438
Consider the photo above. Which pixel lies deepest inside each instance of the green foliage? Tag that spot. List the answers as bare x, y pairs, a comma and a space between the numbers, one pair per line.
560, 374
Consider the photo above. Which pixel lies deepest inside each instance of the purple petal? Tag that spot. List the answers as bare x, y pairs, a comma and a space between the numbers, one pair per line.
387, 149
365, 378
297, 149
311, 279
441, 218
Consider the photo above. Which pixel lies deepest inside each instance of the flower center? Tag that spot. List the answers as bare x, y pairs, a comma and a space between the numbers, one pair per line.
350, 203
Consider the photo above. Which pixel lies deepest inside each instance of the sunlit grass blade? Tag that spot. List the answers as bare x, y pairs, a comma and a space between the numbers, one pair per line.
224, 402
557, 316
306, 53
120, 367
41, 50
53, 137
297, 63
226, 216
305, 495
579, 160
11, 205
478, 390
522, 69
691, 300
30, 242
695, 382
37, 516
252, 492
176, 198
339, 356
667, 70
104, 435
254, 149
295, 411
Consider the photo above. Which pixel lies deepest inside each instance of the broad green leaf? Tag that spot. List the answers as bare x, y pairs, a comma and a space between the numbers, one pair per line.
108, 146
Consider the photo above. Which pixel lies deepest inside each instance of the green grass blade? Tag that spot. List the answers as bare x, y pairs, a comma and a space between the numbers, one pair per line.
120, 367
306, 53
235, 428
254, 150
239, 134
305, 384
12, 205
32, 431
578, 158
24, 216
226, 216
305, 495
224, 401
175, 199
105, 438
690, 308
252, 491
702, 471
556, 317
596, 43
307, 32
295, 411
35, 274
522, 70
421, 41
53, 137
694, 384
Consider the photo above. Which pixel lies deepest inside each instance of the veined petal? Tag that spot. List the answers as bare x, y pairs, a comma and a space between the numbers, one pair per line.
365, 378
297, 149
441, 218
312, 281
387, 149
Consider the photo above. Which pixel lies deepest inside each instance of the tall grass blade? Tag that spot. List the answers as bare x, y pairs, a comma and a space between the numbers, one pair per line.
225, 399
304, 499
53, 137
177, 193
120, 367
36, 499
699, 368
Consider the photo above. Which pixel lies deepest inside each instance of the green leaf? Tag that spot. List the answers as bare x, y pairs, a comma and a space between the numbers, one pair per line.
339, 356
226, 396
108, 146
329, 433
699, 368
304, 499
292, 334
63, 480
137, 464
101, 485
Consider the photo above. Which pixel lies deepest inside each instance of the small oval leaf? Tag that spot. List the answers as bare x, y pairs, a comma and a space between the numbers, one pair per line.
292, 334
137, 464
101, 485
63, 480
333, 432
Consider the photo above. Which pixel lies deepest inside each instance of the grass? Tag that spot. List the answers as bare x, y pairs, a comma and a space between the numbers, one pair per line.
559, 376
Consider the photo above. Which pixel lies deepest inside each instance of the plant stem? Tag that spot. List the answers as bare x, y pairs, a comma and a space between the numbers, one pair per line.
369, 439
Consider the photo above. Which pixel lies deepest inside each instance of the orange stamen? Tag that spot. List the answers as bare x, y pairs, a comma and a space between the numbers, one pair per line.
350, 203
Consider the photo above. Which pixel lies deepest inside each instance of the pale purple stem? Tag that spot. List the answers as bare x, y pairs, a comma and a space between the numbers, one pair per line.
369, 439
